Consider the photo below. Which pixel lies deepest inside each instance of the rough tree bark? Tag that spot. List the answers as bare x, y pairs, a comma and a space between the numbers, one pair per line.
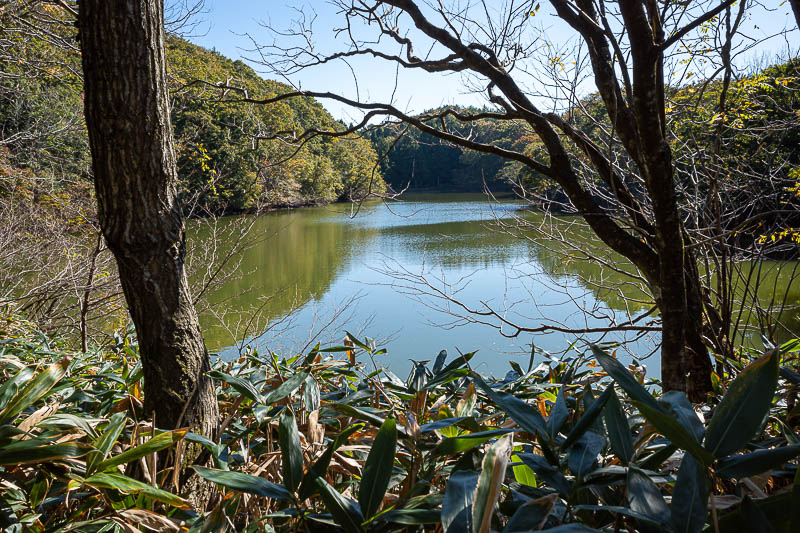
133, 157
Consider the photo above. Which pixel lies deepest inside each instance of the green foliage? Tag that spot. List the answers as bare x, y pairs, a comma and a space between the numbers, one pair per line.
421, 161
225, 169
579, 480
221, 165
304, 436
69, 435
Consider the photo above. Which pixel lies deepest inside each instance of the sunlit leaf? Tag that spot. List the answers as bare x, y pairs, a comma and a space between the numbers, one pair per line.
240, 385
286, 388
242, 482
39, 451
153, 445
105, 441
490, 481
34, 390
109, 480
461, 443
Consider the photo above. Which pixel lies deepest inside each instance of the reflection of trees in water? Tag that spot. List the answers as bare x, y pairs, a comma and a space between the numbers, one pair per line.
299, 254
572, 256
481, 244
294, 258
455, 244
766, 295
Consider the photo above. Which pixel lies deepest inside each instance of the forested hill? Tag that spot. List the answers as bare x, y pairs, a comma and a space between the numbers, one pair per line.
223, 154
223, 166
757, 135
420, 161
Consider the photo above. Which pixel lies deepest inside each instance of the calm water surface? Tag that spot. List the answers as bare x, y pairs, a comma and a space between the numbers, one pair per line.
315, 273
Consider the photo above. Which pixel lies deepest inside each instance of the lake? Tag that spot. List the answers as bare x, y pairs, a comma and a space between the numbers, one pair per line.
400, 272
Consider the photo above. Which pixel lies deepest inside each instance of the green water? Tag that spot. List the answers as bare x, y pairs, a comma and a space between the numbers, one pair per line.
291, 287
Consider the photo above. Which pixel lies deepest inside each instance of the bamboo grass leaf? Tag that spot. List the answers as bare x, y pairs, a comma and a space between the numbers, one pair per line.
39, 451
291, 451
153, 445
624, 379
378, 468
583, 453
320, 466
619, 432
645, 498
690, 497
558, 414
242, 482
490, 482
242, 386
462, 443
344, 511
105, 442
34, 390
546, 472
675, 432
525, 415
757, 462
588, 418
125, 484
458, 500
285, 389
741, 412
10, 388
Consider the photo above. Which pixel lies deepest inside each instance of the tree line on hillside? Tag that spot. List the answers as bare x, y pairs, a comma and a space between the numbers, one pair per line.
417, 160
227, 161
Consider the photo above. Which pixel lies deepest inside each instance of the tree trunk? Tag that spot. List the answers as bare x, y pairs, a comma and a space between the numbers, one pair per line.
796, 9
133, 157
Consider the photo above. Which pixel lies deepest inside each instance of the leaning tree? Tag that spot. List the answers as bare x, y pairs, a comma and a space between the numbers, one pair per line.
627, 182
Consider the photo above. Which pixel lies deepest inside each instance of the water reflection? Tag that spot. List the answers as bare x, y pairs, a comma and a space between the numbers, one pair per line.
315, 259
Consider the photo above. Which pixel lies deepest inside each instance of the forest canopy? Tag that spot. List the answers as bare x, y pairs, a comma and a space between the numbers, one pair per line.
228, 160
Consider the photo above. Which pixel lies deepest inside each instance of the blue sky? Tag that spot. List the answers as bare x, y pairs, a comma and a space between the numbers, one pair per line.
232, 26
226, 22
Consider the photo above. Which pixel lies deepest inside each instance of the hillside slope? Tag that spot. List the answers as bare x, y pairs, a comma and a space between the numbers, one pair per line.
223, 165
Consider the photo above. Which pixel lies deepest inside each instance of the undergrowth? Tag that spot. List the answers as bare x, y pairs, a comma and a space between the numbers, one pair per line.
317, 442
